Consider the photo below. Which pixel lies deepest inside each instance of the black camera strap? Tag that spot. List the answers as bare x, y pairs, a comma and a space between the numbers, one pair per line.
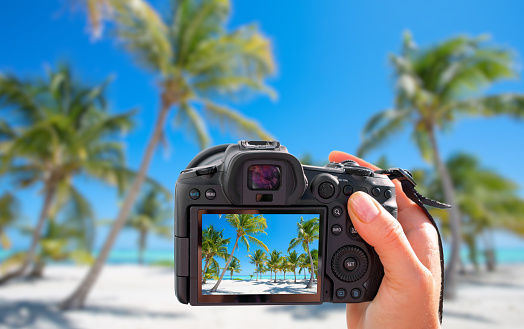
408, 186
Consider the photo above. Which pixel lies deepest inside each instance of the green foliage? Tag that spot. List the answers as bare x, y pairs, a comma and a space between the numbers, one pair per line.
437, 85
247, 226
9, 212
197, 59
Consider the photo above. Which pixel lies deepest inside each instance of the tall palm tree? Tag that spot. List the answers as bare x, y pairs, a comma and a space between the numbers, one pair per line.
151, 216
213, 245
197, 61
293, 260
8, 215
258, 258
234, 266
434, 87
274, 262
61, 131
487, 201
246, 227
308, 231
304, 264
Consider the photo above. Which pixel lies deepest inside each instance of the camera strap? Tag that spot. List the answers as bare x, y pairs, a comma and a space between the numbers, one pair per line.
408, 186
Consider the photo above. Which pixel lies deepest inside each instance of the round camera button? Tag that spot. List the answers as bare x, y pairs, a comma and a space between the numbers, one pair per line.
348, 189
210, 194
350, 264
194, 194
337, 211
336, 229
356, 293
388, 194
326, 190
375, 191
341, 293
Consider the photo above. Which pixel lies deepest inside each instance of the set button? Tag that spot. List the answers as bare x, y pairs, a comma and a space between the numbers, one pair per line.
194, 194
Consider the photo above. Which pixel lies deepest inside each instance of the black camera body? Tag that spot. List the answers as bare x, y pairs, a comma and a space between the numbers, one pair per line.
261, 181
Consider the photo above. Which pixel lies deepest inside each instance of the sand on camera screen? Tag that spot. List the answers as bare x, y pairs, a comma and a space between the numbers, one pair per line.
253, 253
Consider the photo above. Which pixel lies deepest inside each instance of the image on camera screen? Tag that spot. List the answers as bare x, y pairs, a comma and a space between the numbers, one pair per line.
263, 177
253, 253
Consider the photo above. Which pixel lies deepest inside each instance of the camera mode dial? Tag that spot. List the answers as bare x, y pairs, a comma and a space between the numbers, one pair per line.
349, 263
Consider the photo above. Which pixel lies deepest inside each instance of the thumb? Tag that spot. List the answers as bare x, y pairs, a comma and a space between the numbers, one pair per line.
382, 231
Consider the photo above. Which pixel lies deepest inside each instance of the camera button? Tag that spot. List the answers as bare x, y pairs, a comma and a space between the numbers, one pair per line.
337, 211
356, 293
210, 194
326, 190
388, 194
350, 264
348, 189
336, 229
341, 293
194, 194
352, 231
375, 191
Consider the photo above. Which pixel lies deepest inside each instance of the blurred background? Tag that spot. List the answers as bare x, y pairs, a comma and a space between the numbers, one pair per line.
104, 102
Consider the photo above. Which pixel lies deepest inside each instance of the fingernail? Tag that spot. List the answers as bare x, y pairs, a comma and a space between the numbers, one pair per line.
364, 207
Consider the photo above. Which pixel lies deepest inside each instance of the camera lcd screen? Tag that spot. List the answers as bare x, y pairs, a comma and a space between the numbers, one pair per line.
263, 177
259, 253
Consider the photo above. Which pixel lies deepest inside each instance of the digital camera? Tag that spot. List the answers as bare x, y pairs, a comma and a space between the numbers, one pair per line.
255, 226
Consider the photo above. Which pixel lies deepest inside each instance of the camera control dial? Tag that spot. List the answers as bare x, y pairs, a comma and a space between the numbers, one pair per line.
349, 263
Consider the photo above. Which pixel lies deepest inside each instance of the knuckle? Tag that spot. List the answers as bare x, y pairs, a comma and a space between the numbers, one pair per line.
393, 234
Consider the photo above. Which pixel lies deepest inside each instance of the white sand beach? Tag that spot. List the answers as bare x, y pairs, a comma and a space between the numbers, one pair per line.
262, 286
142, 297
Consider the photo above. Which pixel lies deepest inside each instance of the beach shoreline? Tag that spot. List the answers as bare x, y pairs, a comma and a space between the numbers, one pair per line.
262, 286
136, 297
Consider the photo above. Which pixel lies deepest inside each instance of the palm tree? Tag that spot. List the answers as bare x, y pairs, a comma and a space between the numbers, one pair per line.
211, 272
434, 86
246, 226
258, 258
213, 245
8, 214
64, 133
304, 263
487, 201
293, 260
274, 262
234, 266
151, 216
314, 255
196, 60
308, 231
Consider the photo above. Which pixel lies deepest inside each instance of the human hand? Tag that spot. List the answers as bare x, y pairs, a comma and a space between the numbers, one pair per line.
409, 294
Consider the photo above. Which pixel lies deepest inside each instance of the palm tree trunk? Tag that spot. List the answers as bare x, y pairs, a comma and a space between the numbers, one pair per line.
141, 246
295, 273
77, 299
37, 272
49, 190
310, 283
215, 287
451, 272
208, 260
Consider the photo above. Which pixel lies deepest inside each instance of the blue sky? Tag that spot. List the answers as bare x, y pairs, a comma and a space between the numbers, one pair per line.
332, 76
281, 228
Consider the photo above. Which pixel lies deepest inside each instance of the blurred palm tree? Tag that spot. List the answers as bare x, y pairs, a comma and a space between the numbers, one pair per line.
234, 266
273, 262
307, 233
246, 227
9, 212
59, 130
197, 61
151, 216
213, 245
434, 87
293, 261
487, 201
258, 258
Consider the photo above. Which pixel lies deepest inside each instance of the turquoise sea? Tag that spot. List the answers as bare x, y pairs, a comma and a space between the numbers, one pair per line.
125, 256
